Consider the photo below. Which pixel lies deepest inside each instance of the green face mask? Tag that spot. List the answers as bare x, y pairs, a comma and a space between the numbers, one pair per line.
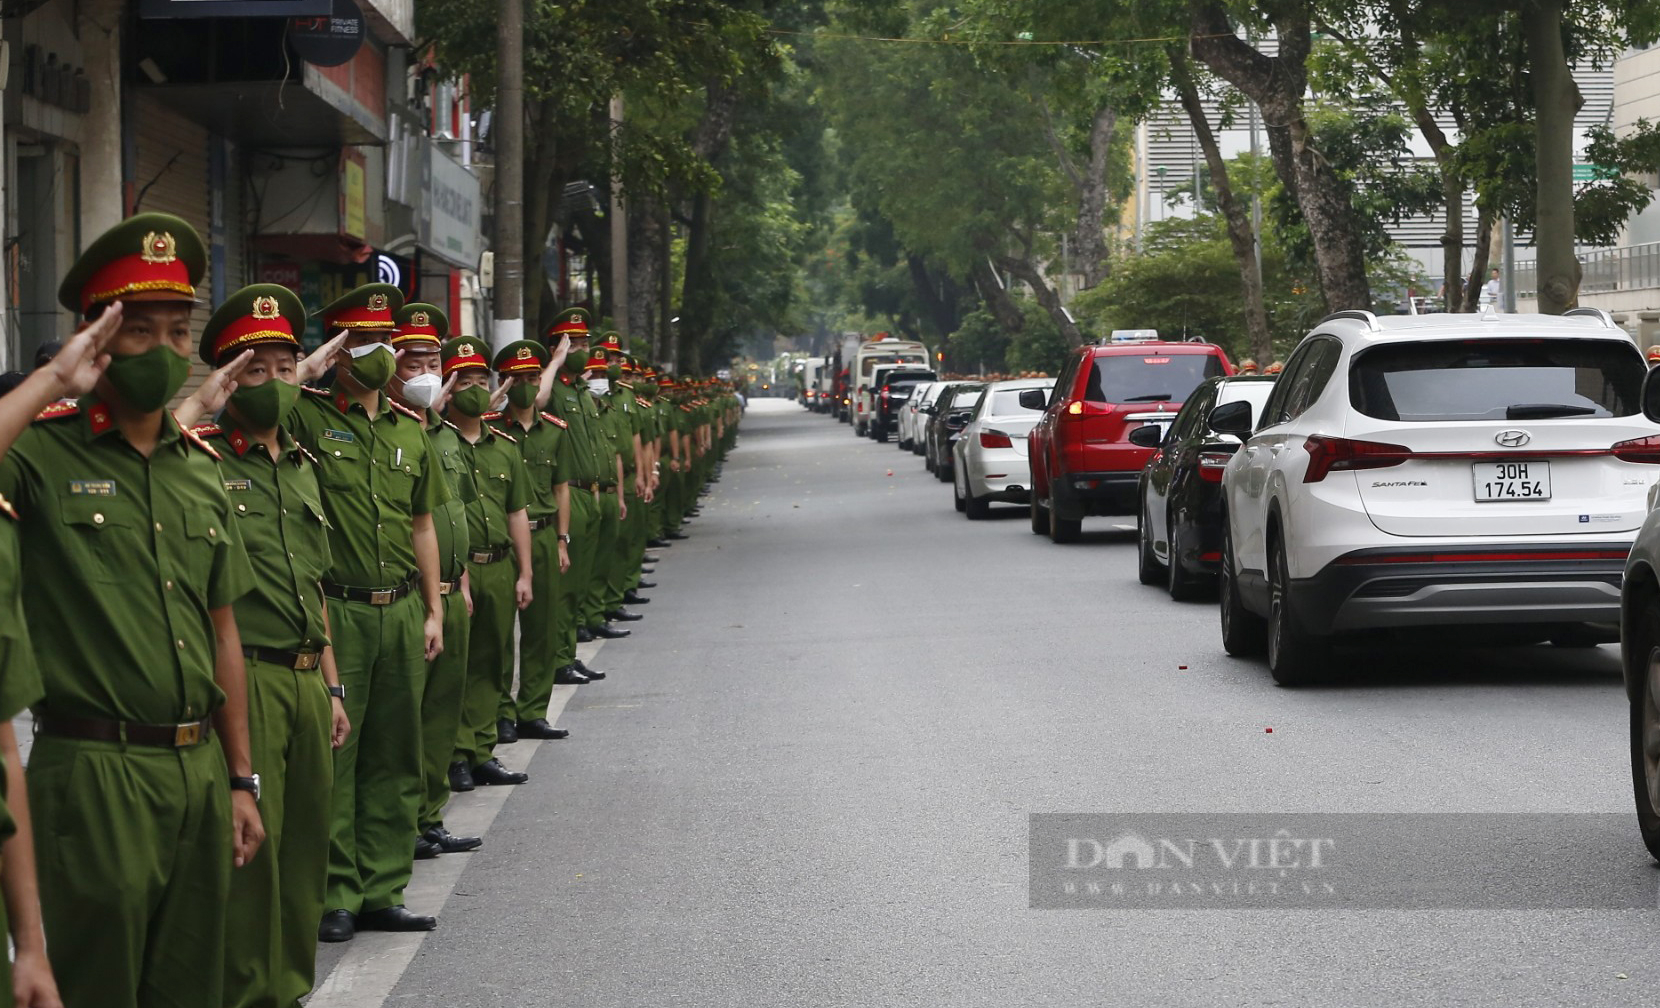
522, 396
146, 381
613, 371
373, 370
575, 364
264, 406
471, 401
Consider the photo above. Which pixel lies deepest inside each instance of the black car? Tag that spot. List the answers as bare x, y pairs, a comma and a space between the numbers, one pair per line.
894, 392
947, 415
1180, 490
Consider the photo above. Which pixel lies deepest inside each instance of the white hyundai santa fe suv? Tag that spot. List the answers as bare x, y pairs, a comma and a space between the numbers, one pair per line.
1446, 470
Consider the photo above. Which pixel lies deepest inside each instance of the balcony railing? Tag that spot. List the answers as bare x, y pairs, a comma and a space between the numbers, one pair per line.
1632, 267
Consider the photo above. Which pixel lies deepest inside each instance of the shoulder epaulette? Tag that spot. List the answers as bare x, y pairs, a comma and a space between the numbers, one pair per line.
7, 509
196, 439
206, 429
492, 415
550, 418
306, 452
406, 411
502, 434
451, 426
325, 393
59, 410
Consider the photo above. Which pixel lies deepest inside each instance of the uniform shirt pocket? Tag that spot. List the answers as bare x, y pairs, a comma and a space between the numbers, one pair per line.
342, 465
102, 539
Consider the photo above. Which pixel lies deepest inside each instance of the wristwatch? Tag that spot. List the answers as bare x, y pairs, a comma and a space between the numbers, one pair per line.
338, 692
564, 537
249, 784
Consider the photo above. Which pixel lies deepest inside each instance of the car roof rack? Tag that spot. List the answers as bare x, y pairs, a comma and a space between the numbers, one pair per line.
1357, 315
1596, 313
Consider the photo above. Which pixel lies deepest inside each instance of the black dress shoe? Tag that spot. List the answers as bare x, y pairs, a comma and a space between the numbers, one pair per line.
643, 584
585, 670
584, 635
623, 616
694, 512
609, 632
449, 843
492, 772
569, 676
633, 597
656, 543
460, 779
507, 732
395, 918
677, 534
426, 850
540, 728
337, 926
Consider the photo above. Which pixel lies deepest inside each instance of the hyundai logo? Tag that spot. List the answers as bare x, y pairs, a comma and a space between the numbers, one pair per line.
1512, 438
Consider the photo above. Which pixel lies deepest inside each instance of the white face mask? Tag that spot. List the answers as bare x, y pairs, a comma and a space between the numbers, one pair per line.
367, 349
422, 390
599, 386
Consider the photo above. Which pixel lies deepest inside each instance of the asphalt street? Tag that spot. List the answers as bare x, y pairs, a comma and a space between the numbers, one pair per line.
808, 778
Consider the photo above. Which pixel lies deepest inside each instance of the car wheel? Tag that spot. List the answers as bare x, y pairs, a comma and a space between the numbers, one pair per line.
1243, 632
1295, 658
943, 468
879, 432
928, 457
1182, 585
976, 508
957, 496
1645, 725
1039, 515
1148, 569
1063, 530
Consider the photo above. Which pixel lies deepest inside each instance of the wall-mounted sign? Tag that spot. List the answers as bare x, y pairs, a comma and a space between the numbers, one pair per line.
331, 39
448, 216
354, 204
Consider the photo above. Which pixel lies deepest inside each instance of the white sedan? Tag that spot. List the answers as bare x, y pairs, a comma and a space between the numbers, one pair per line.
991, 463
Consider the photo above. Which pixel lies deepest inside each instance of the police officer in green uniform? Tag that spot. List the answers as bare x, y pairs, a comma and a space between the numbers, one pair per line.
381, 484
133, 561
499, 566
623, 415
296, 714
547, 629
645, 481
591, 467
417, 383
613, 509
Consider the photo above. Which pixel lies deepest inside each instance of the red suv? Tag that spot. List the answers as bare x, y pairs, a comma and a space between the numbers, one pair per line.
1082, 460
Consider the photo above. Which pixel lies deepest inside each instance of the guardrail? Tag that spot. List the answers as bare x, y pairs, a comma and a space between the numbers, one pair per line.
1631, 267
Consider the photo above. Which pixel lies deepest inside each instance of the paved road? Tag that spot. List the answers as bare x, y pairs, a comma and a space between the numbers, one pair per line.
808, 780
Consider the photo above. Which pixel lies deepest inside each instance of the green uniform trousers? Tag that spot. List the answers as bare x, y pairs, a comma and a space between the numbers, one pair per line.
624, 565
584, 552
547, 631
489, 658
271, 919
135, 856
379, 652
596, 600
441, 711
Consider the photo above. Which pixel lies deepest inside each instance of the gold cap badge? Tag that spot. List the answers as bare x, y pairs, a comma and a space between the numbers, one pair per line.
377, 302
265, 307
159, 247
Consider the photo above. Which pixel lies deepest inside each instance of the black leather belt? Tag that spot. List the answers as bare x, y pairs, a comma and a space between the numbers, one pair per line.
488, 556
590, 485
299, 661
538, 524
449, 587
373, 596
603, 487
174, 736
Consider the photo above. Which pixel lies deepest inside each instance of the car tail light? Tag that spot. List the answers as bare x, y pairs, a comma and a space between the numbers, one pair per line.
1333, 454
1211, 464
995, 439
1643, 450
884, 398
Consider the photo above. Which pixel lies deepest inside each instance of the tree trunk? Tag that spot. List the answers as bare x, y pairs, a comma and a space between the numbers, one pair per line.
996, 297
1486, 221
708, 141
645, 258
1276, 84
539, 207
1241, 236
1556, 99
1027, 270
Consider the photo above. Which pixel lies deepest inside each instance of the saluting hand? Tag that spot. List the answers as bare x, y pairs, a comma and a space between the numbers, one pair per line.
247, 831
499, 396
210, 397
443, 401
81, 362
319, 360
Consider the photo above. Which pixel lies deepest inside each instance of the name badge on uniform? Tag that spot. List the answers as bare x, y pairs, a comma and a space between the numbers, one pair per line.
92, 488
339, 435
239, 484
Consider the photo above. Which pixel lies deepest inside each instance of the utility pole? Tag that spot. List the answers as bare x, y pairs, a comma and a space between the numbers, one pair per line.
510, 175
619, 234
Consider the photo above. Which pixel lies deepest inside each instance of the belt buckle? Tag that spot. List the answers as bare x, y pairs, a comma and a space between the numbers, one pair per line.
382, 596
446, 587
187, 734
307, 662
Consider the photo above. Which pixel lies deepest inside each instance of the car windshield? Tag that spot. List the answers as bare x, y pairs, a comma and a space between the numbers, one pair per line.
964, 399
1497, 380
1006, 402
1153, 377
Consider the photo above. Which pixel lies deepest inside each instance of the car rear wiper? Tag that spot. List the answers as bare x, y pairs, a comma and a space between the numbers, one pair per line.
1545, 410
1162, 397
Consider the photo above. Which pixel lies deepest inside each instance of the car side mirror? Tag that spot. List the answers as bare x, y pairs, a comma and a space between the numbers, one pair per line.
929, 409
1147, 436
1231, 418
956, 421
1651, 396
1033, 398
